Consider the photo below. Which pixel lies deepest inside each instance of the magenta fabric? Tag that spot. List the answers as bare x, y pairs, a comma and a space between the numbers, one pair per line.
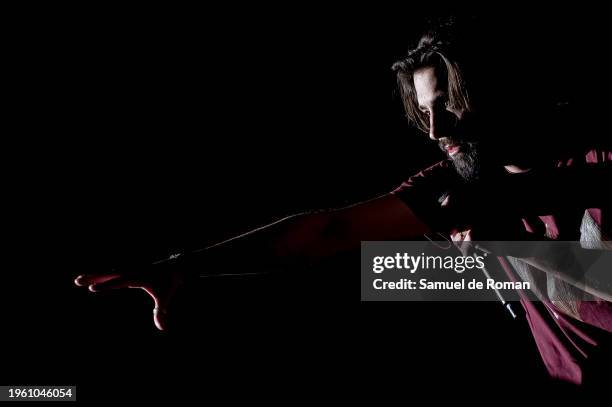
566, 344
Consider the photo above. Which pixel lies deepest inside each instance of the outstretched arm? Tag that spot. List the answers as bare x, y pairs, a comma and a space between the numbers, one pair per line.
298, 239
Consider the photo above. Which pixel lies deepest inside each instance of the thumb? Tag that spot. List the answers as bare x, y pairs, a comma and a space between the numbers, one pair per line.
160, 318
160, 310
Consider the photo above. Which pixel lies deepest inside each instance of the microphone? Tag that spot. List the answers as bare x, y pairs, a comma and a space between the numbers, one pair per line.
498, 293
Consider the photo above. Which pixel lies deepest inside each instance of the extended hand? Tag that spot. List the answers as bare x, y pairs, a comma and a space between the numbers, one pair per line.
160, 281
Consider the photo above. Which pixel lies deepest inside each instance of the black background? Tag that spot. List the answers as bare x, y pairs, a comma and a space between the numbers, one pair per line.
138, 132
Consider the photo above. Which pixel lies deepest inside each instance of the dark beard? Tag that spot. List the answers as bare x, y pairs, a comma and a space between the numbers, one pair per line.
467, 161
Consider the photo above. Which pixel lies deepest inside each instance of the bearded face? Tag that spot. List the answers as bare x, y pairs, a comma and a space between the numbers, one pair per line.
447, 124
465, 156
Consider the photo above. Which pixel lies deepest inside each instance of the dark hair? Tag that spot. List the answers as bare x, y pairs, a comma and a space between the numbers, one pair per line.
435, 49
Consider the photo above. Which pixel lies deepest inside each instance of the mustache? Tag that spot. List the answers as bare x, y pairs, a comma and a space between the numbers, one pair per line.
445, 142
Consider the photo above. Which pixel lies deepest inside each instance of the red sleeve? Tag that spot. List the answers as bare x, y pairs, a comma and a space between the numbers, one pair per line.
423, 192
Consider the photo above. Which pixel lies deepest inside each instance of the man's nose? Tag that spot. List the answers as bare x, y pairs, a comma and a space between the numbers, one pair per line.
433, 127
441, 123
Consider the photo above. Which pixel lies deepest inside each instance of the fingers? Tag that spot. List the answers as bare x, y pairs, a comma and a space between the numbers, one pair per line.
89, 279
465, 236
116, 283
106, 281
161, 291
463, 241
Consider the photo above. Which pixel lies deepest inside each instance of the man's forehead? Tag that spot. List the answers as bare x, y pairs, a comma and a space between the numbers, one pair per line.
427, 74
426, 84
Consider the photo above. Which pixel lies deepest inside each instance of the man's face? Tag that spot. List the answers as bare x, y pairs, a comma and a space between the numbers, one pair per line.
446, 124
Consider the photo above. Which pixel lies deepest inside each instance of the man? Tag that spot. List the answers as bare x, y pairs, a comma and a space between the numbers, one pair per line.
451, 197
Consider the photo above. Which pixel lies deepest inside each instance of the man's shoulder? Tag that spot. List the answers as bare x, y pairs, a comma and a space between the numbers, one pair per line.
439, 168
437, 174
